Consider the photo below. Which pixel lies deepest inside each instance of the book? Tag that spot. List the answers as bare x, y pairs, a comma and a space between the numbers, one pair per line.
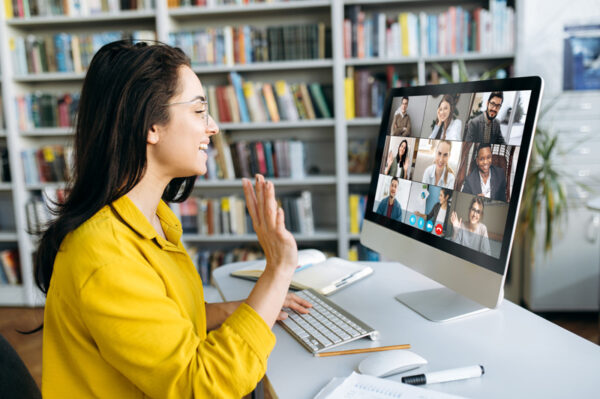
324, 275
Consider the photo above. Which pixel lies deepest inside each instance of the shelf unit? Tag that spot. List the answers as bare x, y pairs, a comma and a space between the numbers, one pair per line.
333, 185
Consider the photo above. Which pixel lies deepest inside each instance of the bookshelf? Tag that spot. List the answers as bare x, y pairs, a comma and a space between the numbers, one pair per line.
329, 138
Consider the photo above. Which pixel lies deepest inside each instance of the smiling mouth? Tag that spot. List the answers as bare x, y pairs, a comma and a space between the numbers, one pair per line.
203, 147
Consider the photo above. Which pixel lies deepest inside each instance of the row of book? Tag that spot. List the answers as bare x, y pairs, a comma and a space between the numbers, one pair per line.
10, 267
278, 158
228, 215
72, 8
4, 164
40, 207
206, 261
246, 44
40, 109
455, 31
246, 101
213, 3
2, 122
48, 164
64, 52
357, 204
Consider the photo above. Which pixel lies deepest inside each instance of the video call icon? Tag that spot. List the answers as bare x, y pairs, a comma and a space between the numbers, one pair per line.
429, 226
439, 229
412, 220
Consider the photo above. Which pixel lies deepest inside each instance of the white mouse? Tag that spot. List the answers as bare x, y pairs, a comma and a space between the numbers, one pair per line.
383, 364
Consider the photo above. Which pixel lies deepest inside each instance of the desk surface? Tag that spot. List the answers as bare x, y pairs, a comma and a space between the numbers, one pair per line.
524, 355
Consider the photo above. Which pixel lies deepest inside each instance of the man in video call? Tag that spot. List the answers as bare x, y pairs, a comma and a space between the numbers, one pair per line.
401, 123
485, 128
486, 180
390, 207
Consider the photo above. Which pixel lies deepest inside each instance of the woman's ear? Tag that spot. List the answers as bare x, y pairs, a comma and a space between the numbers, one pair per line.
153, 135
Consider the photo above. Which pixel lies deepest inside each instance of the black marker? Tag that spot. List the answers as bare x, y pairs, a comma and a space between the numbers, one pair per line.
460, 373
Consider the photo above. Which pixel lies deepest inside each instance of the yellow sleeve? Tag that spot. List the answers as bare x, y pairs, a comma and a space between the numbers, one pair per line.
141, 332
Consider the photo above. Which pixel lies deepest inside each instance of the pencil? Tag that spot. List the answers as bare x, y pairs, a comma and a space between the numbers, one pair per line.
364, 350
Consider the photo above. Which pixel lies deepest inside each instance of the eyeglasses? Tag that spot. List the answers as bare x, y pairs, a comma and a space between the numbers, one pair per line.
494, 105
200, 101
477, 211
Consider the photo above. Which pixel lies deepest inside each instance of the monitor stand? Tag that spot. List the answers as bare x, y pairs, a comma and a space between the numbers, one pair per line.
440, 304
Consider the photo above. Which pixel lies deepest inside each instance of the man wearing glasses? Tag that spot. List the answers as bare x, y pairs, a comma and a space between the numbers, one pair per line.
485, 128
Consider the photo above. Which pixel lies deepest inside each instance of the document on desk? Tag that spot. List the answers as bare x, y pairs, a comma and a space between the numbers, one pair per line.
359, 386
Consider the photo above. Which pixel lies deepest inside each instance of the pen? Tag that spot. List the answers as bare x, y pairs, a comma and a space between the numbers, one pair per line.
460, 373
364, 350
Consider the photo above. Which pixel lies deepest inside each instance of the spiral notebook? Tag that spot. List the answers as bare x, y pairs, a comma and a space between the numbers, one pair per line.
315, 270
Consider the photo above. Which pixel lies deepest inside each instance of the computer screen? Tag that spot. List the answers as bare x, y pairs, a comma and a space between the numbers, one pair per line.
449, 170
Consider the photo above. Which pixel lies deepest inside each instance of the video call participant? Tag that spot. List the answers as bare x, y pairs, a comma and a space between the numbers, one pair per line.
401, 124
398, 166
486, 180
446, 126
390, 207
125, 314
440, 173
439, 213
472, 234
485, 128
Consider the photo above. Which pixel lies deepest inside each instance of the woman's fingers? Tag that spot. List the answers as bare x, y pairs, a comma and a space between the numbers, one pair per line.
250, 201
270, 205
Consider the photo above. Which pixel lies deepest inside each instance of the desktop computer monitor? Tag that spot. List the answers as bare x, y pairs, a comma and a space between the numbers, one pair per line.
448, 176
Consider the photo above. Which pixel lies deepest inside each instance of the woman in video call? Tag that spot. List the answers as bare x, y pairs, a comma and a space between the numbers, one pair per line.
398, 166
439, 212
472, 233
446, 126
440, 173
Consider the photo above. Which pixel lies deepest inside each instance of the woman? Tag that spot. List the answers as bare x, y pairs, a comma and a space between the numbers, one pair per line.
446, 126
440, 173
125, 314
439, 213
398, 167
472, 234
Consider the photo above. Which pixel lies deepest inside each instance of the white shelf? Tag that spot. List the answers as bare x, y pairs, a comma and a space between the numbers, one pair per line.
11, 295
277, 125
265, 66
4, 186
364, 122
359, 179
278, 182
47, 132
190, 12
49, 77
42, 186
121, 16
317, 236
353, 236
427, 59
9, 236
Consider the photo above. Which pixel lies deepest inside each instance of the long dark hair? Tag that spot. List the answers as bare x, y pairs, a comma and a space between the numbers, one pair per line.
124, 93
403, 159
451, 101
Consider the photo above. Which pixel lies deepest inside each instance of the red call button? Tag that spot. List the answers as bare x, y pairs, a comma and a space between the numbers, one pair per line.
438, 229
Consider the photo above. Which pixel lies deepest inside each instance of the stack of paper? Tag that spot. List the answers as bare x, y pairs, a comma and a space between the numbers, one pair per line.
367, 387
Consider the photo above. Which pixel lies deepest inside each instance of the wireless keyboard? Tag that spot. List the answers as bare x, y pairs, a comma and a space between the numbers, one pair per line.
326, 326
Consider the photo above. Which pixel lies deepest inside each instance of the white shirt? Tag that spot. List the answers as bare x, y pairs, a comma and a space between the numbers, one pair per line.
486, 188
429, 178
454, 131
441, 217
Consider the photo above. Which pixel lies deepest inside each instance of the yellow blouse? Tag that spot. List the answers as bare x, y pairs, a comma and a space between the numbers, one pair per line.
125, 317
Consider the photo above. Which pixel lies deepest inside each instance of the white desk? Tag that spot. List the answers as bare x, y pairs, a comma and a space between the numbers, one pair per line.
524, 355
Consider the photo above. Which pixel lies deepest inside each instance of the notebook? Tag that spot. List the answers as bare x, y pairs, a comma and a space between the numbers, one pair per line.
315, 270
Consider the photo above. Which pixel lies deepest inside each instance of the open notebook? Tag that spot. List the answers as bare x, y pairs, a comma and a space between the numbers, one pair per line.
324, 275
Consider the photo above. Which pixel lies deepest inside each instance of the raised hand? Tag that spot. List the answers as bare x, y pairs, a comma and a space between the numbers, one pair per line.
279, 245
456, 222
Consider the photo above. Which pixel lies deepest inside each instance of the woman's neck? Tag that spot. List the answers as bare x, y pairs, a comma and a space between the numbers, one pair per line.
146, 196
